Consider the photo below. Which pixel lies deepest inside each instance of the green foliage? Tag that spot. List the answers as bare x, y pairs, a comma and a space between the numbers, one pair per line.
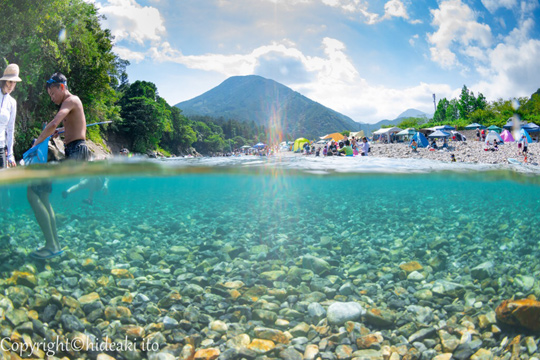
30, 37
145, 118
410, 123
345, 133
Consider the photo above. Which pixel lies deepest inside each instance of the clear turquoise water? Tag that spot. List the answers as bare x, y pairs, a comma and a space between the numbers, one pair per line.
263, 204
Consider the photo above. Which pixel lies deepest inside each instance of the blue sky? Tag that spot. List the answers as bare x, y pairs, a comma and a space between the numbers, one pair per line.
367, 59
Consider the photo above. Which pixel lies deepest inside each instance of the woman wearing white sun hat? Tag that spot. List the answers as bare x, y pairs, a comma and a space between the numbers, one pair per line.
8, 111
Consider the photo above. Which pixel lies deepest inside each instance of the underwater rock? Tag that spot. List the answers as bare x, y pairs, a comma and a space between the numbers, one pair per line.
290, 353
340, 312
483, 270
316, 312
16, 317
380, 317
207, 354
525, 312
366, 341
415, 276
261, 346
411, 266
271, 334
311, 353
317, 265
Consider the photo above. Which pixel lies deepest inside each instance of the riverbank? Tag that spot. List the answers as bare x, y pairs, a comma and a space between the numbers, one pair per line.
469, 152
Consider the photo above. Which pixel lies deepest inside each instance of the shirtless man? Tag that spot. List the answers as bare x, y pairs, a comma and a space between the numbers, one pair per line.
72, 114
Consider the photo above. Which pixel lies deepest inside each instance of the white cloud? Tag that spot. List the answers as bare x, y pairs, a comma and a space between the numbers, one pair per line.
456, 28
494, 5
332, 79
412, 40
395, 8
127, 54
512, 66
130, 21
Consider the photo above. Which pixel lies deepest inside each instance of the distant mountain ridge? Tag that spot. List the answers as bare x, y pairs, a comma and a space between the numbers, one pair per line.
409, 113
269, 103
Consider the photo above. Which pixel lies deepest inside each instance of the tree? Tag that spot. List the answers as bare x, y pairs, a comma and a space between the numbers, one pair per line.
440, 112
47, 36
145, 116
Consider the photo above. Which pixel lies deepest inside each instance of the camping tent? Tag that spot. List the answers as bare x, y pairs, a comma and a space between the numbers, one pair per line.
387, 132
458, 136
444, 128
337, 137
507, 136
299, 144
474, 126
531, 127
420, 140
521, 133
359, 134
495, 128
438, 134
407, 132
492, 136
509, 124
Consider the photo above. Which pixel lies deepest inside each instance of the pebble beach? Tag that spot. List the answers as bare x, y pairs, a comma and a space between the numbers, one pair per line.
469, 152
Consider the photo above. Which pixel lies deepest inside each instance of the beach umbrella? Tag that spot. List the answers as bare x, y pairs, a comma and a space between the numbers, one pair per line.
444, 127
438, 134
495, 128
259, 146
334, 136
474, 126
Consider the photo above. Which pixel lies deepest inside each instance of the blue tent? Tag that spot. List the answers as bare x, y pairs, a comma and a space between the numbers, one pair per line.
531, 127
259, 146
444, 127
524, 132
37, 154
438, 134
420, 140
509, 125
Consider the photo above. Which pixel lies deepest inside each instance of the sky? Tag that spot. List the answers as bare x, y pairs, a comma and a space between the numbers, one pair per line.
367, 59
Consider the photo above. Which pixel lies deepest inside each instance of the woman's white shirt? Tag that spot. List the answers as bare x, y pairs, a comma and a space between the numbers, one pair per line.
8, 111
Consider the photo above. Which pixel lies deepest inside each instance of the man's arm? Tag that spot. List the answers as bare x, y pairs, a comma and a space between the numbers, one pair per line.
51, 127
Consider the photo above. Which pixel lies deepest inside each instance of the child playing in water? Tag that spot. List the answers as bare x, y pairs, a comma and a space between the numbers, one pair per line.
92, 184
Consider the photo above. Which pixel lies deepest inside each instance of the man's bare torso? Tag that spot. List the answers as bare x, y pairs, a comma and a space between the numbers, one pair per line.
75, 121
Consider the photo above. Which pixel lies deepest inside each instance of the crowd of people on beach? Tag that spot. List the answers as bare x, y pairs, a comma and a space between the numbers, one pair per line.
345, 147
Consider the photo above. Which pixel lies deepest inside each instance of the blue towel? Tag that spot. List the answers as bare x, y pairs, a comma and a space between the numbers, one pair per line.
37, 154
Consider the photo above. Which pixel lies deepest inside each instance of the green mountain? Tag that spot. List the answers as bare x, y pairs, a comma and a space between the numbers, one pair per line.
268, 103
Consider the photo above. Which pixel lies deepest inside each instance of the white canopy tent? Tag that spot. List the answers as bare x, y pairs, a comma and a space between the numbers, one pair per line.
387, 132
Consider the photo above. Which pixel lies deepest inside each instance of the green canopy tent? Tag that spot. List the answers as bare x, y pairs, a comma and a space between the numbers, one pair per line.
299, 144
495, 128
474, 126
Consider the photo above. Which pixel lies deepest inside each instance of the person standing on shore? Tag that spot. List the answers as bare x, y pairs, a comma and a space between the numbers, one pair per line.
8, 112
365, 146
71, 113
